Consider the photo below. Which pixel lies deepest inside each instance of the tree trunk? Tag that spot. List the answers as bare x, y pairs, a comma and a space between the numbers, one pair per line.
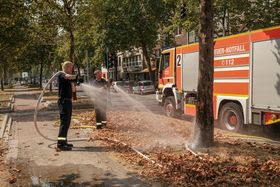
41, 74
2, 78
72, 46
72, 56
224, 22
51, 87
5, 75
70, 28
2, 84
148, 60
204, 127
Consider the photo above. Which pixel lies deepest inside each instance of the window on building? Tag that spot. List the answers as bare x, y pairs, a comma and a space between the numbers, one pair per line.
124, 62
119, 61
178, 31
192, 37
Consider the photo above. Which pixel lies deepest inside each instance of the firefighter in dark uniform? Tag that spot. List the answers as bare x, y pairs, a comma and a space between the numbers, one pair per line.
65, 88
100, 102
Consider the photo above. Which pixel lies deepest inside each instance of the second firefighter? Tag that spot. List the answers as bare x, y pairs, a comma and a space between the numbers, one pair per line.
101, 99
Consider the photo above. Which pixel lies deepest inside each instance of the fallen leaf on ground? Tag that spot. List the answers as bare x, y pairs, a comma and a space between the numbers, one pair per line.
12, 180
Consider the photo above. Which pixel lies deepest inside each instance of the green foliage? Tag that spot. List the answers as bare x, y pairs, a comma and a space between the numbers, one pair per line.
13, 38
49, 31
234, 16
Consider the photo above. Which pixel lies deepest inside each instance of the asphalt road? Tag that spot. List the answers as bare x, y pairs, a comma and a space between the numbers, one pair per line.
133, 102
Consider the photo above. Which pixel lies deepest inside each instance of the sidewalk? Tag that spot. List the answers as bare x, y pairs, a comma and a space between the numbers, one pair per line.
89, 164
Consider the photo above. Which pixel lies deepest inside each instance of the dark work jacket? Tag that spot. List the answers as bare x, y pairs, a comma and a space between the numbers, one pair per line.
64, 87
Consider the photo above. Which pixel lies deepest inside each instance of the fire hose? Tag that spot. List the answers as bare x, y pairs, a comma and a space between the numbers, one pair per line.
77, 139
37, 107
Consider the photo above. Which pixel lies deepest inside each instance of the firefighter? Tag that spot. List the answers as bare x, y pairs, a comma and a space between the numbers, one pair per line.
65, 88
101, 96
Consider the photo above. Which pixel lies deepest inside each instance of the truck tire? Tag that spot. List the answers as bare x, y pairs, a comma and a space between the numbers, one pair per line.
169, 106
231, 117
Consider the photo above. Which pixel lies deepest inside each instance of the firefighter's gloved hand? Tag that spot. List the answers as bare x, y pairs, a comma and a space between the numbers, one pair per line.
77, 80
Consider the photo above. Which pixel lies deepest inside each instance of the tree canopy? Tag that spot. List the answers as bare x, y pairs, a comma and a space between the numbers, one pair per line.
70, 29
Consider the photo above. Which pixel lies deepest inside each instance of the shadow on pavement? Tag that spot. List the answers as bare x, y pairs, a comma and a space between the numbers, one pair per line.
25, 96
72, 175
85, 148
69, 181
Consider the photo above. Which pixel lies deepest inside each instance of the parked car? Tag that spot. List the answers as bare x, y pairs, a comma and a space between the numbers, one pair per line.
144, 87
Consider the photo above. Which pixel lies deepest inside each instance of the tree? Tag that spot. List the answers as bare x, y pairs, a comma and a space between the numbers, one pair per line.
204, 127
128, 24
70, 15
146, 17
41, 33
13, 22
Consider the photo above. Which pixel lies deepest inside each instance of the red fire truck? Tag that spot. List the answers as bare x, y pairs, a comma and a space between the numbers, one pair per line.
246, 79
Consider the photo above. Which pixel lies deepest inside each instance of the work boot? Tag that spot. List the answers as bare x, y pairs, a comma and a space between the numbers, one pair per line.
69, 145
104, 123
64, 147
98, 125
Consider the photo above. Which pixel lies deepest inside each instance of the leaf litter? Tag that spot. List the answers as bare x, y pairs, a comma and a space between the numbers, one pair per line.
232, 161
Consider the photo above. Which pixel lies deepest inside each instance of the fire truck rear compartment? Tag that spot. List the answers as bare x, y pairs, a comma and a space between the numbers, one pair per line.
265, 85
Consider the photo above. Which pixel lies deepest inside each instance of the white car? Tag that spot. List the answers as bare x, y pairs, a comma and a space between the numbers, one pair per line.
144, 87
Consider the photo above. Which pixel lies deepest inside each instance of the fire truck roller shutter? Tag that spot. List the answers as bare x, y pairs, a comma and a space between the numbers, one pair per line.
266, 75
190, 71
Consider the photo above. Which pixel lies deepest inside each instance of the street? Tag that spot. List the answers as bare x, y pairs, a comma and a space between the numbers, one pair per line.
88, 164
212, 118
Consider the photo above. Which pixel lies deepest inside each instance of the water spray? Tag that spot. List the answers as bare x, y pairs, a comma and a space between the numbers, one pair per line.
78, 139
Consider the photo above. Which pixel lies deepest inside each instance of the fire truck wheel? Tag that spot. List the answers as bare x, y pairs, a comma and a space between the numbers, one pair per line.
231, 117
169, 106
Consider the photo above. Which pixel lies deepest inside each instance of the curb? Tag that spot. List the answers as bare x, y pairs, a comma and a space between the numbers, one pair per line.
12, 99
53, 105
8, 130
10, 106
4, 125
8, 109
